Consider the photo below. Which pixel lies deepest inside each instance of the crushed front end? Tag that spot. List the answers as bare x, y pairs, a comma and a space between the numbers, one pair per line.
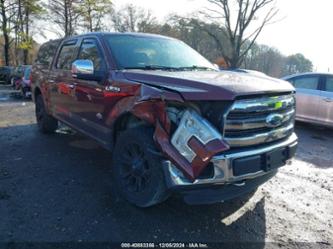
229, 148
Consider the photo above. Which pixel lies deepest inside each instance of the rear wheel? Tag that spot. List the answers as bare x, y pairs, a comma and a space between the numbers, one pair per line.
46, 123
137, 170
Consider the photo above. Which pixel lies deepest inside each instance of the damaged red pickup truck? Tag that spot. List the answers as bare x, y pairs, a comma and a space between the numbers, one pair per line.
174, 123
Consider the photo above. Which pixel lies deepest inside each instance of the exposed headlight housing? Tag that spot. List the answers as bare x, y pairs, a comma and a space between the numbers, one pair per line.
193, 125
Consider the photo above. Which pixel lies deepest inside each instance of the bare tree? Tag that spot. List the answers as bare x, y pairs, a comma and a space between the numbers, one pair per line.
297, 63
131, 18
265, 59
92, 13
64, 13
236, 19
7, 13
27, 12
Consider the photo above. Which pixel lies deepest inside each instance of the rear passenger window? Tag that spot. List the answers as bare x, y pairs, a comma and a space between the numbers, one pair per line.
66, 56
310, 82
47, 52
89, 51
329, 84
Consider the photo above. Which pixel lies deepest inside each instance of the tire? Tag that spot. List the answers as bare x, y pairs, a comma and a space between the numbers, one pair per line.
137, 171
46, 123
23, 92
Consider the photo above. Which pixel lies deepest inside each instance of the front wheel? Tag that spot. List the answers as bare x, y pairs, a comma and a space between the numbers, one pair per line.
46, 123
137, 170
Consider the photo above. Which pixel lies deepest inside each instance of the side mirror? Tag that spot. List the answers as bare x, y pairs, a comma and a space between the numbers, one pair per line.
82, 69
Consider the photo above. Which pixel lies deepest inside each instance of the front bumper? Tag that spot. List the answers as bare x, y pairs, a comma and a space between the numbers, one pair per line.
219, 193
251, 163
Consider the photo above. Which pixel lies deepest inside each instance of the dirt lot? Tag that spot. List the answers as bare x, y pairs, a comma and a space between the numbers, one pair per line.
57, 188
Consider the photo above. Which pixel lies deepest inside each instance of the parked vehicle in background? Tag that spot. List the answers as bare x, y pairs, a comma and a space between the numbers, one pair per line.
314, 94
5, 74
16, 76
173, 121
25, 83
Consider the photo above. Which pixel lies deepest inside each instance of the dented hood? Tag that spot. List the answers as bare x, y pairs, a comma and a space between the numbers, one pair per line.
210, 85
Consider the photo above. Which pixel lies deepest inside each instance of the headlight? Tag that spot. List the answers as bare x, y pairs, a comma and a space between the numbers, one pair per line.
193, 125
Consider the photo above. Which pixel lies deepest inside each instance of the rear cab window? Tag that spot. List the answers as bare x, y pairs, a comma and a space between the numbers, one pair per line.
47, 52
67, 55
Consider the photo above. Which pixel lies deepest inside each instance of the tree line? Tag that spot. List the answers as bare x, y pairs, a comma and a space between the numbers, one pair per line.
224, 29
20, 20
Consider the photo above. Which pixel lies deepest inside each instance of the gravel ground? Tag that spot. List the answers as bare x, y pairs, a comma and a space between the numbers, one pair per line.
57, 188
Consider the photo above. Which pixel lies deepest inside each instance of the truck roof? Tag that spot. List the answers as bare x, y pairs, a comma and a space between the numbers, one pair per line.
137, 34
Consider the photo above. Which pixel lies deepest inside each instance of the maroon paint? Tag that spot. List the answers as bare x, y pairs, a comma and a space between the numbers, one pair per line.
162, 139
205, 153
143, 93
210, 85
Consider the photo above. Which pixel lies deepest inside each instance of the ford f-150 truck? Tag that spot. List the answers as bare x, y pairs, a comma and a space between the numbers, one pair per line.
173, 121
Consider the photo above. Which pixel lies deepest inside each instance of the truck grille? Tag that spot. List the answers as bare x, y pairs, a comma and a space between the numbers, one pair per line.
260, 120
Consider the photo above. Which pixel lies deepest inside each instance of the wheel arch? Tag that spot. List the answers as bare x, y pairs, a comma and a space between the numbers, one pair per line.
125, 121
36, 92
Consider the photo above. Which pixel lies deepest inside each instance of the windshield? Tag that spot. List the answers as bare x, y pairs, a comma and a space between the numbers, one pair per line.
134, 52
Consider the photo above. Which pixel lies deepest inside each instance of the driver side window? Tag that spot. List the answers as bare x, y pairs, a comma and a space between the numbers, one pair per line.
89, 51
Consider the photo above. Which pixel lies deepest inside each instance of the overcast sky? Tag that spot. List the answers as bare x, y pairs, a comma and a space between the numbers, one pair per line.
306, 26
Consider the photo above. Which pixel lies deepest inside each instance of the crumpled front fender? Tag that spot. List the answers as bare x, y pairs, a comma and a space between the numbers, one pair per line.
154, 111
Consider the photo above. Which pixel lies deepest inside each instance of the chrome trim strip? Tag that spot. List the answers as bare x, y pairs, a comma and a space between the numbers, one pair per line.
253, 123
259, 138
223, 173
264, 104
244, 109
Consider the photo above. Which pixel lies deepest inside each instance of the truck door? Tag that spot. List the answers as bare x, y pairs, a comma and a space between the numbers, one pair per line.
61, 83
89, 108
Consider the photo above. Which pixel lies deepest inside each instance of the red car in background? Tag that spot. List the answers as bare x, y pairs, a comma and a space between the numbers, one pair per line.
23, 83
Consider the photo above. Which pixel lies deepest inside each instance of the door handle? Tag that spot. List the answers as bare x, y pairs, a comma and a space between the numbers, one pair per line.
328, 99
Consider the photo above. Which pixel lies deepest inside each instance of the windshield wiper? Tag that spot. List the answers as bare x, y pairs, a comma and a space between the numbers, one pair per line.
167, 68
194, 67
153, 67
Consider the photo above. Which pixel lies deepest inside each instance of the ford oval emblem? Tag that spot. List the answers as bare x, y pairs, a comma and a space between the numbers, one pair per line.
274, 120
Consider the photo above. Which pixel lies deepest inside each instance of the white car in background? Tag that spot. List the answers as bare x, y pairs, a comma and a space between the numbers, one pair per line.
314, 97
